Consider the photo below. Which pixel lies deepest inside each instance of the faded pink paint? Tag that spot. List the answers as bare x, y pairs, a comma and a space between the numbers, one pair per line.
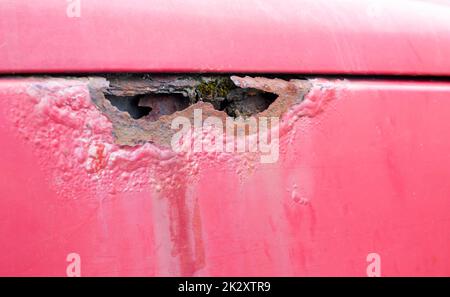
363, 168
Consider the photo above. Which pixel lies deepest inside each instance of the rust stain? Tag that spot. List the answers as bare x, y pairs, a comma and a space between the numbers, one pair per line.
185, 227
100, 161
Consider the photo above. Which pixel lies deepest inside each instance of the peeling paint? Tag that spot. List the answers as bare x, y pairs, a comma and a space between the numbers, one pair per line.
109, 145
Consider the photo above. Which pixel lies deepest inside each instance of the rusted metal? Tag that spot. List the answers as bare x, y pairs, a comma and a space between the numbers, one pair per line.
156, 127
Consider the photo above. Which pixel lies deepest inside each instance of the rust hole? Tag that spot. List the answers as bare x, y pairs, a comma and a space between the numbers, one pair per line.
142, 107
129, 104
247, 102
149, 106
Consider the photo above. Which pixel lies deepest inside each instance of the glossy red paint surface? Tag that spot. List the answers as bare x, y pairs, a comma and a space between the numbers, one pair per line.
298, 36
363, 168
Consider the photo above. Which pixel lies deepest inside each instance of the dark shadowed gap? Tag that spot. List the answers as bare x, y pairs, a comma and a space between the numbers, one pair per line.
150, 106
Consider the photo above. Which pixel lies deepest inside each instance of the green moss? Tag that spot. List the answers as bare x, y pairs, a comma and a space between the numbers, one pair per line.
216, 88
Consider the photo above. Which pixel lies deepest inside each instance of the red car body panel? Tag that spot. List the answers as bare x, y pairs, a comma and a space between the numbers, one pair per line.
330, 37
363, 166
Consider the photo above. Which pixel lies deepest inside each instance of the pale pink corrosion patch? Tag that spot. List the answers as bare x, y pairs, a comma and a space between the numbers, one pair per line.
74, 144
